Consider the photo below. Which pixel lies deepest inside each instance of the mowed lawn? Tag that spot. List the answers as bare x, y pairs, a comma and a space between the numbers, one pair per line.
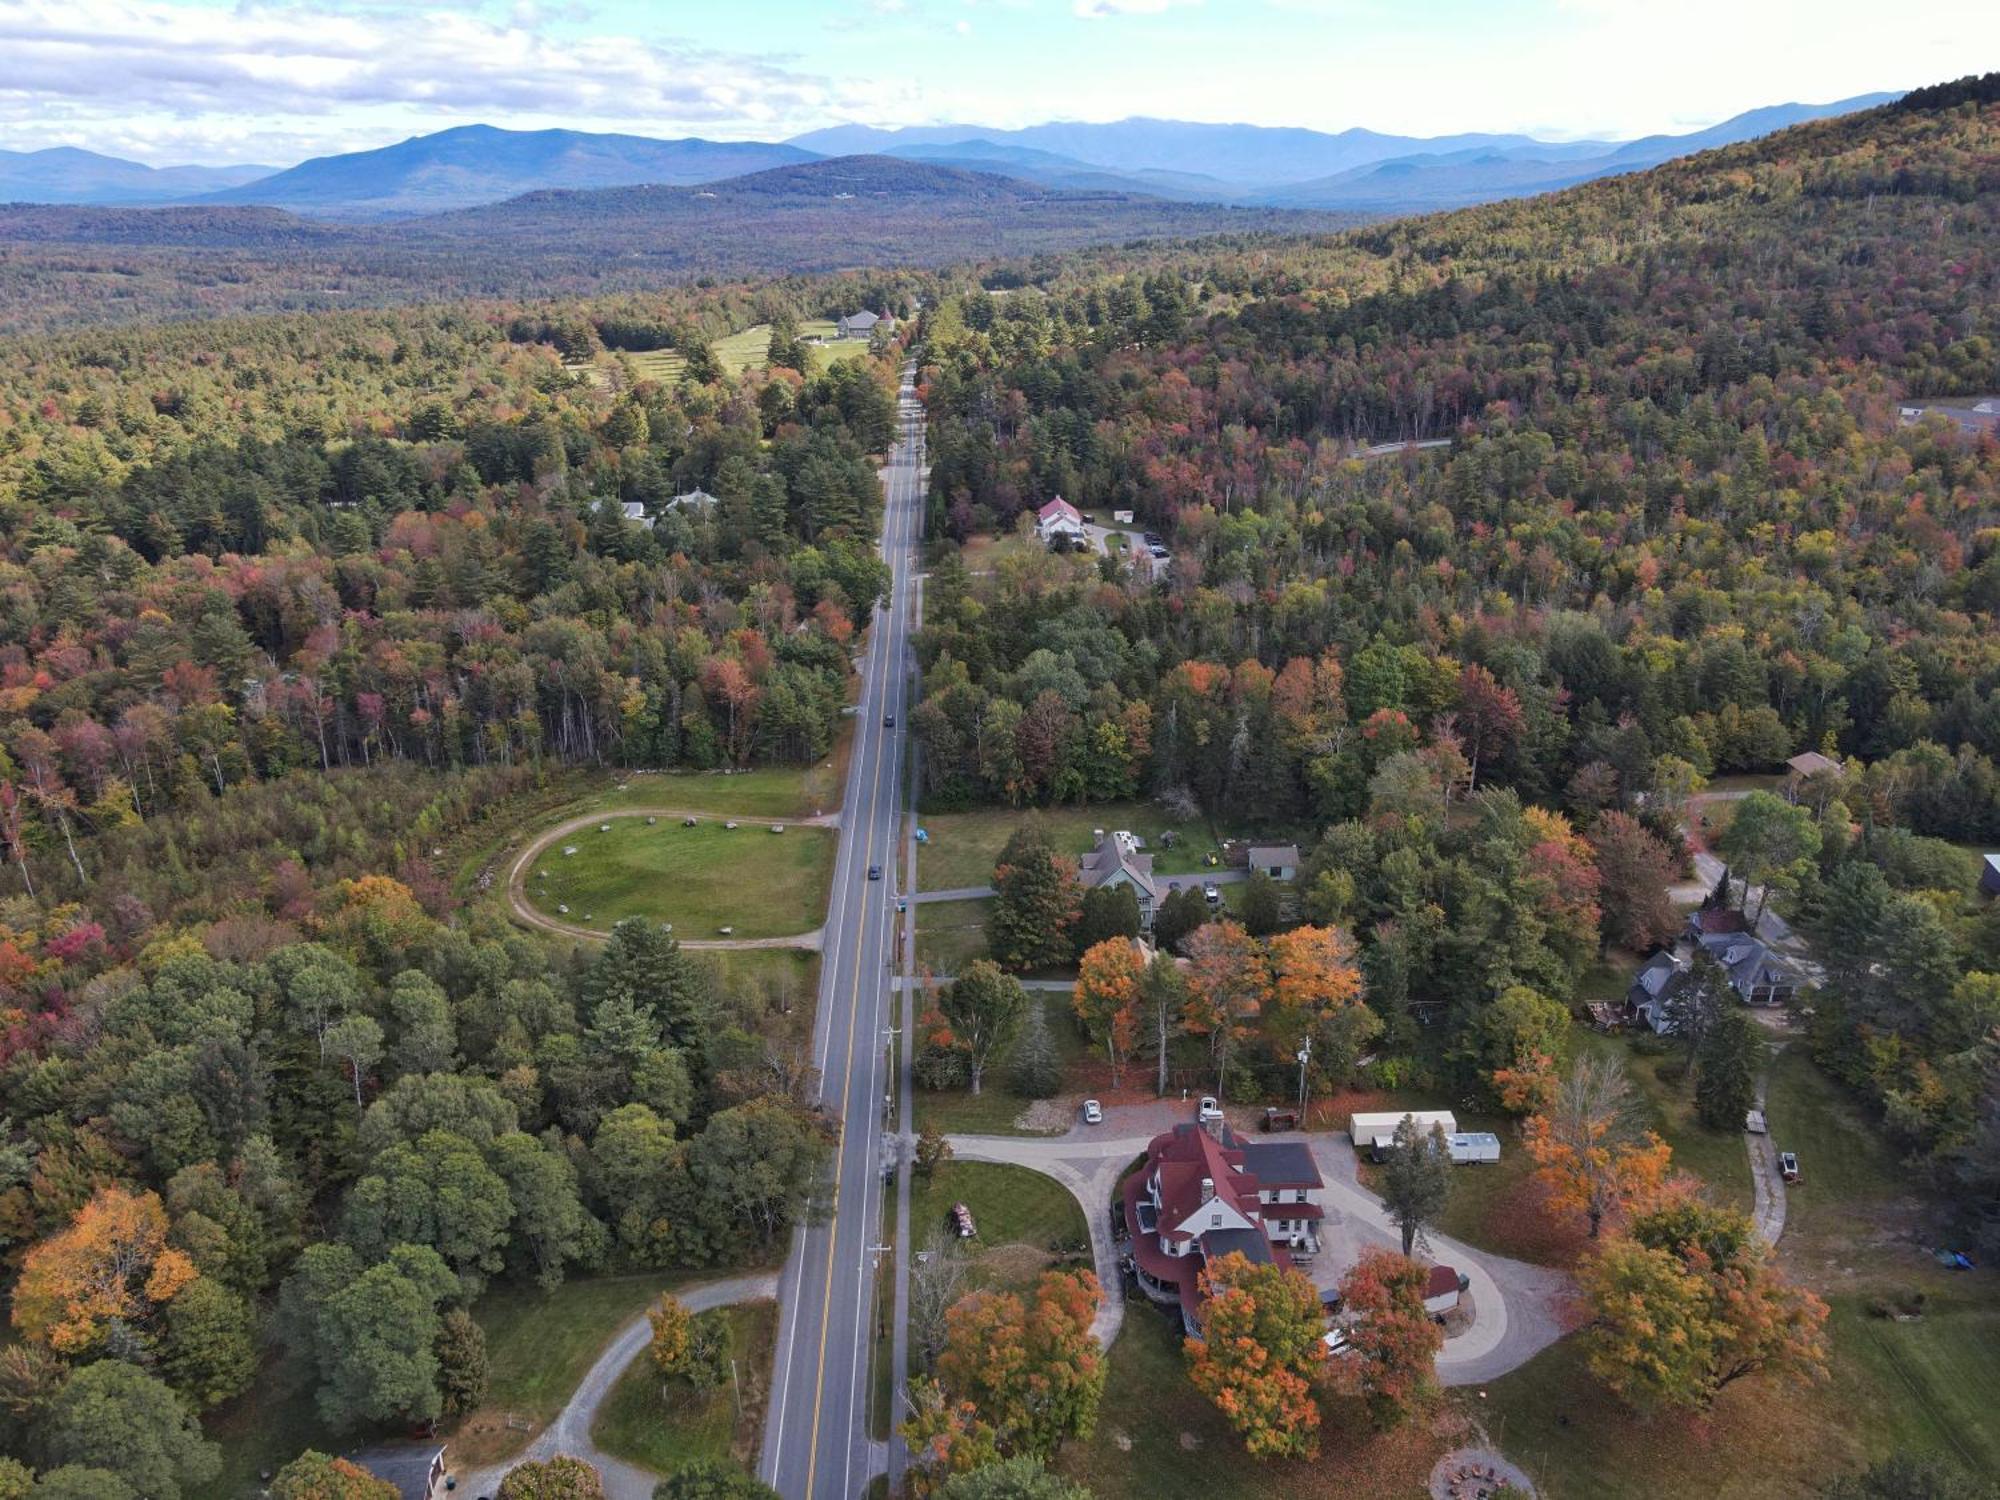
964, 846
701, 879
765, 792
1025, 1219
950, 934
1853, 1234
662, 1429
538, 1347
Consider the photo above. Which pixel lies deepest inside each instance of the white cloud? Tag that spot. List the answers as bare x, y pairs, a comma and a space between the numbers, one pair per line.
1097, 10
78, 63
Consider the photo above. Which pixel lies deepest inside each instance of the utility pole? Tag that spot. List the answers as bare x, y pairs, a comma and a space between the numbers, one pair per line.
1305, 1056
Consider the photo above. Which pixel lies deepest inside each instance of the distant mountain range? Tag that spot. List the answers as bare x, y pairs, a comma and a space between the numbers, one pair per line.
475, 164
1351, 171
64, 174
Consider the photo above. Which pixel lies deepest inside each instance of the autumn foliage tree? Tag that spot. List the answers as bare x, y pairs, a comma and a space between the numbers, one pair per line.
946, 1436
1034, 1372
1316, 992
1634, 871
1228, 986
111, 1267
1589, 1151
1689, 1302
1392, 1344
1107, 999
1258, 1354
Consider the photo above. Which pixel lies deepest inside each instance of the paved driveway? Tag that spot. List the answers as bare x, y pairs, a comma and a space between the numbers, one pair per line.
569, 1433
1520, 1308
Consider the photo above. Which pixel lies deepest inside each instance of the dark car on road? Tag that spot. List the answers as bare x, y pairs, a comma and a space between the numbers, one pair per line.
874, 872
888, 721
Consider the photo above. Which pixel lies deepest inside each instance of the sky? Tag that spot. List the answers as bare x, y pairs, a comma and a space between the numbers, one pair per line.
166, 81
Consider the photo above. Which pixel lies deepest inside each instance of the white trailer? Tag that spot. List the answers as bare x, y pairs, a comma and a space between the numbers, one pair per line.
1474, 1146
1374, 1132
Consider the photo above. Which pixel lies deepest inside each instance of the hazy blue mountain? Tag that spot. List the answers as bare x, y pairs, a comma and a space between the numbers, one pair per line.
1242, 157
475, 164
1051, 170
1441, 179
66, 174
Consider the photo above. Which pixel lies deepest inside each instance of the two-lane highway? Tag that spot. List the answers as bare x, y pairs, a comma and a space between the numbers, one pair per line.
816, 1444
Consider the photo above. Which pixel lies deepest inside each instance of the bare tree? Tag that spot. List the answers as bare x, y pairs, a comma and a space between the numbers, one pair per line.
937, 1281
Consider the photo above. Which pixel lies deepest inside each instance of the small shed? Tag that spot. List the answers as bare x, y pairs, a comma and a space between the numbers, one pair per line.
1279, 861
1441, 1291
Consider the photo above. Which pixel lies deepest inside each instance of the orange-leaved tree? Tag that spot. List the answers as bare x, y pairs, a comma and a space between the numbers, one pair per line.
1259, 1351
1107, 999
1316, 992
1035, 1373
1588, 1149
111, 1266
673, 1334
1392, 1344
946, 1437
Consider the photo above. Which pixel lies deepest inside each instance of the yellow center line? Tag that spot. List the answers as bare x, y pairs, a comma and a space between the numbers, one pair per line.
847, 1086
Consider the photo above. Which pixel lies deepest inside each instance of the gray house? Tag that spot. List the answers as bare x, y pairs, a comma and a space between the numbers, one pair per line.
860, 325
1652, 987
1757, 975
1117, 861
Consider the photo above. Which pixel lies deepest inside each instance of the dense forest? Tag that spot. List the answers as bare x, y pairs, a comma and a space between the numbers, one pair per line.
61, 266
1681, 529
291, 604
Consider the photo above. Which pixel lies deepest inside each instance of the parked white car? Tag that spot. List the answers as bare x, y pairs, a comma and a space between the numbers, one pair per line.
1093, 1112
1210, 1109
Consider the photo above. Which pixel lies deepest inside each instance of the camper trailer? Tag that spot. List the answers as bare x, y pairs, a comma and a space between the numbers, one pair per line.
1474, 1147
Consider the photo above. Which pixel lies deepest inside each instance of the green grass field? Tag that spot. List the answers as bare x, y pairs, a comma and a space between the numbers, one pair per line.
538, 1346
747, 350
1025, 1219
662, 1431
950, 934
766, 792
701, 879
964, 845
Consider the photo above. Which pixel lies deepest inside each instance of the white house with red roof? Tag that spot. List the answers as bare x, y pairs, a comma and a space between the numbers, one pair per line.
1201, 1196
1059, 518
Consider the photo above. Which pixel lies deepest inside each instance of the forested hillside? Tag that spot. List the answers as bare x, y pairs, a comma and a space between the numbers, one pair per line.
64, 266
1681, 530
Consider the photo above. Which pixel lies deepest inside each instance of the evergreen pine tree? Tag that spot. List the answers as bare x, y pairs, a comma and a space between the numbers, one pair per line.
1035, 1071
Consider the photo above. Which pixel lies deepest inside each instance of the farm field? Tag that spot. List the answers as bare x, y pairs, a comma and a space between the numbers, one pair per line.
662, 1431
747, 350
700, 879
964, 845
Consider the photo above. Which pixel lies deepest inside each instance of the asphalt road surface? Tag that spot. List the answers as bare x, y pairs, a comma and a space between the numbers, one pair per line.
816, 1444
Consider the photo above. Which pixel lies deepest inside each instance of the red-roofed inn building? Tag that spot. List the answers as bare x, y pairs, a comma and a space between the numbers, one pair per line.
1201, 1196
